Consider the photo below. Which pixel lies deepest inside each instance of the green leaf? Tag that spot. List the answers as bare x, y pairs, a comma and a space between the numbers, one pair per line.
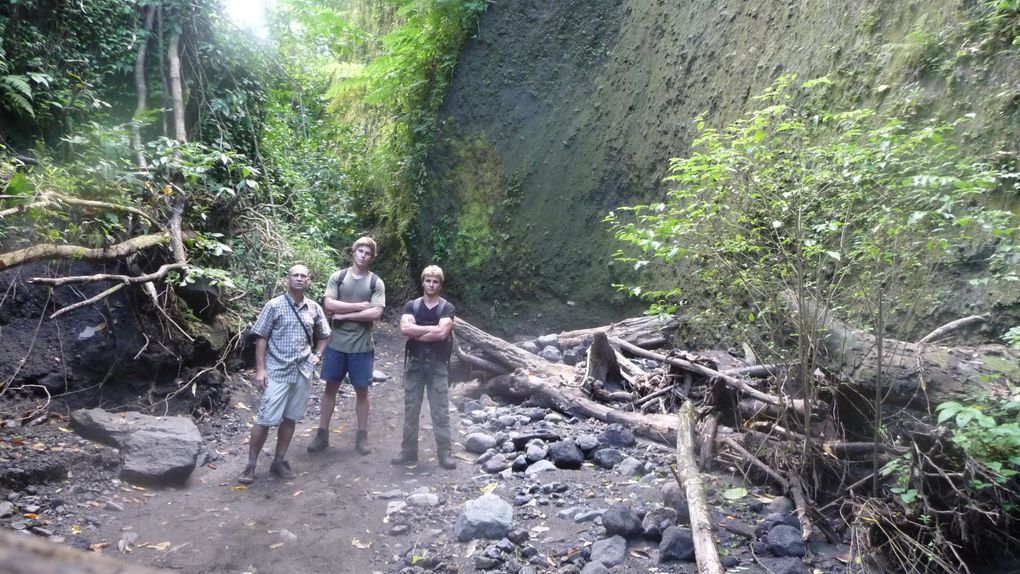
735, 493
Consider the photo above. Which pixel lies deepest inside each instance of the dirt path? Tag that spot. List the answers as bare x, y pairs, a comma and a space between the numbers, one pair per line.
333, 510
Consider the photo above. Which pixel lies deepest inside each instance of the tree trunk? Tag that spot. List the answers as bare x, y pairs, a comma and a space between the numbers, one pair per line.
521, 385
645, 332
140, 88
176, 87
917, 375
510, 357
705, 552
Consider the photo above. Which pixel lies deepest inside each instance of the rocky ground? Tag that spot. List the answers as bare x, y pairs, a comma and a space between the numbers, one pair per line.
555, 494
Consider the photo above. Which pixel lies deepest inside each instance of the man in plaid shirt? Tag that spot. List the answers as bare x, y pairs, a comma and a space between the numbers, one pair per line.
292, 333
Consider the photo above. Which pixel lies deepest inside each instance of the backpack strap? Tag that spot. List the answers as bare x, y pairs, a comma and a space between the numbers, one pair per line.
373, 278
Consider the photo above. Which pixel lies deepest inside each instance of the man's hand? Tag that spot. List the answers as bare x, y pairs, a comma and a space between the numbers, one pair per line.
261, 378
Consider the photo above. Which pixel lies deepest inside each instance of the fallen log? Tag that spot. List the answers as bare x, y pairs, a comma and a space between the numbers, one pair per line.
505, 355
705, 552
521, 385
917, 375
647, 332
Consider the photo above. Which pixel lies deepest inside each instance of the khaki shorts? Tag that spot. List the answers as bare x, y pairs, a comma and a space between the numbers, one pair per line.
283, 401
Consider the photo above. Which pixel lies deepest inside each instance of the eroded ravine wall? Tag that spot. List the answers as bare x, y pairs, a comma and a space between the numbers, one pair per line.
560, 112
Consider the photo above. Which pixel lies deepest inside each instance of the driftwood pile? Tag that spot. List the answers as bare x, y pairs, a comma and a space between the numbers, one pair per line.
813, 440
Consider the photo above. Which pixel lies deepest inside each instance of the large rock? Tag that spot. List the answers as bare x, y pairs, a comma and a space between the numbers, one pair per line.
656, 521
609, 551
617, 435
674, 497
785, 540
608, 458
565, 454
487, 516
620, 519
153, 450
478, 443
677, 544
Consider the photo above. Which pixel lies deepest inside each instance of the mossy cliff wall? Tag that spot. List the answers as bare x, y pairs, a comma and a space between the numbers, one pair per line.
561, 111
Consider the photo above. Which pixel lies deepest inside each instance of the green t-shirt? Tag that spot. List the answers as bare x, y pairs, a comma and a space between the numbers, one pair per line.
354, 336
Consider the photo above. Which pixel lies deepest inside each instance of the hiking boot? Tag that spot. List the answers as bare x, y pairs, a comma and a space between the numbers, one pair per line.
320, 441
282, 469
405, 458
361, 443
446, 460
247, 475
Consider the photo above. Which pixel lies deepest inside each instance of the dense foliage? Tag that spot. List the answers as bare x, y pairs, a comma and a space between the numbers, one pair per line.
845, 208
287, 156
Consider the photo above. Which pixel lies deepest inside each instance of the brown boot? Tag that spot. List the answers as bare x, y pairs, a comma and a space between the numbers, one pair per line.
361, 443
446, 460
320, 441
405, 458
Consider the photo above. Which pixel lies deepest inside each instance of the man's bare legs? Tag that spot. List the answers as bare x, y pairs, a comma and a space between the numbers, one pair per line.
279, 467
328, 404
361, 407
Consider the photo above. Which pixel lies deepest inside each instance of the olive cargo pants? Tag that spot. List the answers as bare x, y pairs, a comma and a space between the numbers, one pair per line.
426, 373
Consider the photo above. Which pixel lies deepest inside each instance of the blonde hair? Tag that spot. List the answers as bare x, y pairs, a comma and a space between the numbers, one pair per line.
367, 242
433, 271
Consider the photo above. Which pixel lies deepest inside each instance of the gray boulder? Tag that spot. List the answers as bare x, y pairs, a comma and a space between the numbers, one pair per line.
551, 354
550, 340
608, 458
496, 464
536, 451
620, 519
785, 540
617, 435
153, 450
565, 454
609, 551
674, 497
656, 521
631, 467
522, 440
540, 466
587, 443
529, 346
478, 442
677, 544
487, 516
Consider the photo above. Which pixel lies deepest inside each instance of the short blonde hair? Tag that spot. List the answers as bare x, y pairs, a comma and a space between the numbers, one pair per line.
433, 271
367, 242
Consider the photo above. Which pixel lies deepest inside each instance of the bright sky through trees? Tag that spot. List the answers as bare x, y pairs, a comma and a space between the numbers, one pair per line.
249, 15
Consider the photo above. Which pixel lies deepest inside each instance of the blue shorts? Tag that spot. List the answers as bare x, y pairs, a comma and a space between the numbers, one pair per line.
358, 366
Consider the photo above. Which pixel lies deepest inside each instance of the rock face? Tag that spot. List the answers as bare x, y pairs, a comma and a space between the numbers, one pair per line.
487, 516
153, 450
584, 99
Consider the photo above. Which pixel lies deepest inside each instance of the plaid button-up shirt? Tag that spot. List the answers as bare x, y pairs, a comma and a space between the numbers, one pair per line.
288, 354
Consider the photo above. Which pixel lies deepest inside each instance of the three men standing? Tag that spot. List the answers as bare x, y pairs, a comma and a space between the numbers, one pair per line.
355, 297
427, 322
289, 328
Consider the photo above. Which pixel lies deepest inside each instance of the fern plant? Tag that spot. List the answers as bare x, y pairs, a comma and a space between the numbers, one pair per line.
15, 91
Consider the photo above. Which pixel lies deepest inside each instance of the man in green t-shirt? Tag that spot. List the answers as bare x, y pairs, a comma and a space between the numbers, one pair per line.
356, 298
